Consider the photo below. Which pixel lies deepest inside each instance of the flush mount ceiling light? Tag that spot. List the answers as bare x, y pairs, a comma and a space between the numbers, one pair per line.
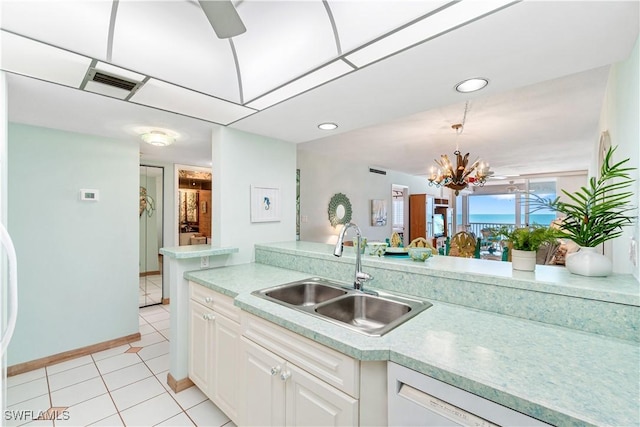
327, 126
471, 85
159, 138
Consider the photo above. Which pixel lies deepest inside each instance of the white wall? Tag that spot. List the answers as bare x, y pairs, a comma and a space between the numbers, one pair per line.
571, 184
242, 159
619, 116
77, 261
321, 177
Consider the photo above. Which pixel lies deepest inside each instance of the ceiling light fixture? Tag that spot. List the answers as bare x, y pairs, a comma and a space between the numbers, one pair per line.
459, 177
471, 85
158, 138
327, 126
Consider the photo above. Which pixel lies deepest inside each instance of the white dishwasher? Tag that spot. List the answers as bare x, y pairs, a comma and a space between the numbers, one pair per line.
418, 400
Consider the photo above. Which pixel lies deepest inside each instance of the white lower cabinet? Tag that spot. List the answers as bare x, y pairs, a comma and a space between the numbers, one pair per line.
214, 343
200, 344
278, 393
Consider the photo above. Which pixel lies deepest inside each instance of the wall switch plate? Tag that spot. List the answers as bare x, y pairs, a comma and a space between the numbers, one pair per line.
204, 262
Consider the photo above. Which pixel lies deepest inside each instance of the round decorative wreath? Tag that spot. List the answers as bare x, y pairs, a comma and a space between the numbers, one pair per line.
337, 200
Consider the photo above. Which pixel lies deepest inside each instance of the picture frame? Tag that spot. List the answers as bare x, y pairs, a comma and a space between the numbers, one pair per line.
378, 213
265, 204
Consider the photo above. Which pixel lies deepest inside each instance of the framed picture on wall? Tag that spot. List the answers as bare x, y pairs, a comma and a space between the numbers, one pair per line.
378, 213
265, 204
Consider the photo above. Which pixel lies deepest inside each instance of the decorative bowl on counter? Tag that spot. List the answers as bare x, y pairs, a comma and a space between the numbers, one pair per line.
376, 248
420, 254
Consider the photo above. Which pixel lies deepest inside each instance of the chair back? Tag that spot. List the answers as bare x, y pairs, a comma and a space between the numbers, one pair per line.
463, 245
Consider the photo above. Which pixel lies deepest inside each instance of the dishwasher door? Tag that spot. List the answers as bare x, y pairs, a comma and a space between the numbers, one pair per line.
418, 400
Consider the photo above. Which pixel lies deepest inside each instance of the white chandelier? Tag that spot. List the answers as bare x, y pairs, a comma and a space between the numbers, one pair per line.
459, 177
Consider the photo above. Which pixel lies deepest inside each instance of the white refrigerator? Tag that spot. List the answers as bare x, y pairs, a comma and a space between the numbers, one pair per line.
8, 304
8, 266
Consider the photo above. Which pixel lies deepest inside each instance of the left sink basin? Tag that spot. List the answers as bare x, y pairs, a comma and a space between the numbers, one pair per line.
304, 292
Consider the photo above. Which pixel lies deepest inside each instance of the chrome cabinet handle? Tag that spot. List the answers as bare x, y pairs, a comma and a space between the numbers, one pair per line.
208, 300
285, 375
275, 370
208, 316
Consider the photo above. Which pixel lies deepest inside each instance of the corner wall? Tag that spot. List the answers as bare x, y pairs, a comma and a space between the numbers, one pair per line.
242, 159
321, 177
77, 261
619, 116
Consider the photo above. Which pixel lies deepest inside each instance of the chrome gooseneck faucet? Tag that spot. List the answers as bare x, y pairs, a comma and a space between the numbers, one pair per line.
360, 276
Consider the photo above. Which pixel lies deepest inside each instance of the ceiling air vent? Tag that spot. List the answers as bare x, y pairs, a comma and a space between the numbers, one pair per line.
114, 81
110, 84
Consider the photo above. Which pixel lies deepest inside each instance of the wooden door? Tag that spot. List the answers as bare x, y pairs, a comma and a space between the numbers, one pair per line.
417, 216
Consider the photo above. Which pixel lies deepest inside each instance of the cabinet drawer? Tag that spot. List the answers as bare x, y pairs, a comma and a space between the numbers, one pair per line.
333, 367
223, 304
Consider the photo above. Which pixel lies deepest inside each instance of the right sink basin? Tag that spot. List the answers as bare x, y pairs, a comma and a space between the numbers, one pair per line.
370, 313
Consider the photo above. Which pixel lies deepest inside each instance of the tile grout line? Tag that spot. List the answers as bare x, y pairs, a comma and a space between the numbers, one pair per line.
109, 392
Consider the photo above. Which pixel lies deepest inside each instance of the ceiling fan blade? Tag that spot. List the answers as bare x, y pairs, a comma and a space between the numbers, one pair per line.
223, 18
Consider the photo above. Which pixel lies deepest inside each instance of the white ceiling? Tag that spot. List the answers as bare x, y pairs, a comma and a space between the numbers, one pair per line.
547, 62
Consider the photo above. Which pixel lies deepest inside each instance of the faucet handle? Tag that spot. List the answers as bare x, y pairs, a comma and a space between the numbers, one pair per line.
361, 275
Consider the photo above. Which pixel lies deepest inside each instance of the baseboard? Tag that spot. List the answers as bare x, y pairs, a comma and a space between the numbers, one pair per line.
165, 301
178, 385
21, 368
149, 273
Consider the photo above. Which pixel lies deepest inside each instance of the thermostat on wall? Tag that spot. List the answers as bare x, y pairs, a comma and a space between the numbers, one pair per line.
90, 195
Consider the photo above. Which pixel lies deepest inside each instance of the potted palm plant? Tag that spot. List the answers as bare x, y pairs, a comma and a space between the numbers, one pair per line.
594, 214
525, 242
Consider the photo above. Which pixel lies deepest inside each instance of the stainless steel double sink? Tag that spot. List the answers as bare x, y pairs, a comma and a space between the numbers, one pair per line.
372, 313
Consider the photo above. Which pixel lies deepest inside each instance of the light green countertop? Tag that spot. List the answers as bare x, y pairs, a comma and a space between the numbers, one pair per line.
621, 288
559, 375
196, 251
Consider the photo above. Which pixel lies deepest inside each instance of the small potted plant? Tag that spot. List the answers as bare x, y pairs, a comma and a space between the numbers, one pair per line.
594, 214
525, 242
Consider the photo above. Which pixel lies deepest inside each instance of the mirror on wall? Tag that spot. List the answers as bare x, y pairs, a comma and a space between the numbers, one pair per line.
194, 206
151, 219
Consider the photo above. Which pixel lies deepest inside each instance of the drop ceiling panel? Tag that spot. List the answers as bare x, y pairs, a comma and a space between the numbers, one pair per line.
173, 41
165, 96
431, 26
300, 40
360, 22
80, 26
30, 58
311, 80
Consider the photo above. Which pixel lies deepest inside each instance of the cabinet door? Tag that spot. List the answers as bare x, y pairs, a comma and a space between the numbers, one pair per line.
261, 400
224, 382
200, 339
312, 402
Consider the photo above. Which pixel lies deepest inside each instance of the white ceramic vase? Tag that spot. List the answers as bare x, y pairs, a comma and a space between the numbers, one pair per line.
589, 262
523, 260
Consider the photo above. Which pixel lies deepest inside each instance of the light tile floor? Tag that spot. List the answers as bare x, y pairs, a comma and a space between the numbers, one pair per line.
150, 291
122, 386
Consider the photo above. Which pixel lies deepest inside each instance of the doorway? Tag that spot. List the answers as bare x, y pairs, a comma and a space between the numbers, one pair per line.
400, 211
151, 236
194, 205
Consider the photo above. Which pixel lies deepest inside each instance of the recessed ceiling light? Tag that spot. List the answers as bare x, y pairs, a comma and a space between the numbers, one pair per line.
327, 126
471, 85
